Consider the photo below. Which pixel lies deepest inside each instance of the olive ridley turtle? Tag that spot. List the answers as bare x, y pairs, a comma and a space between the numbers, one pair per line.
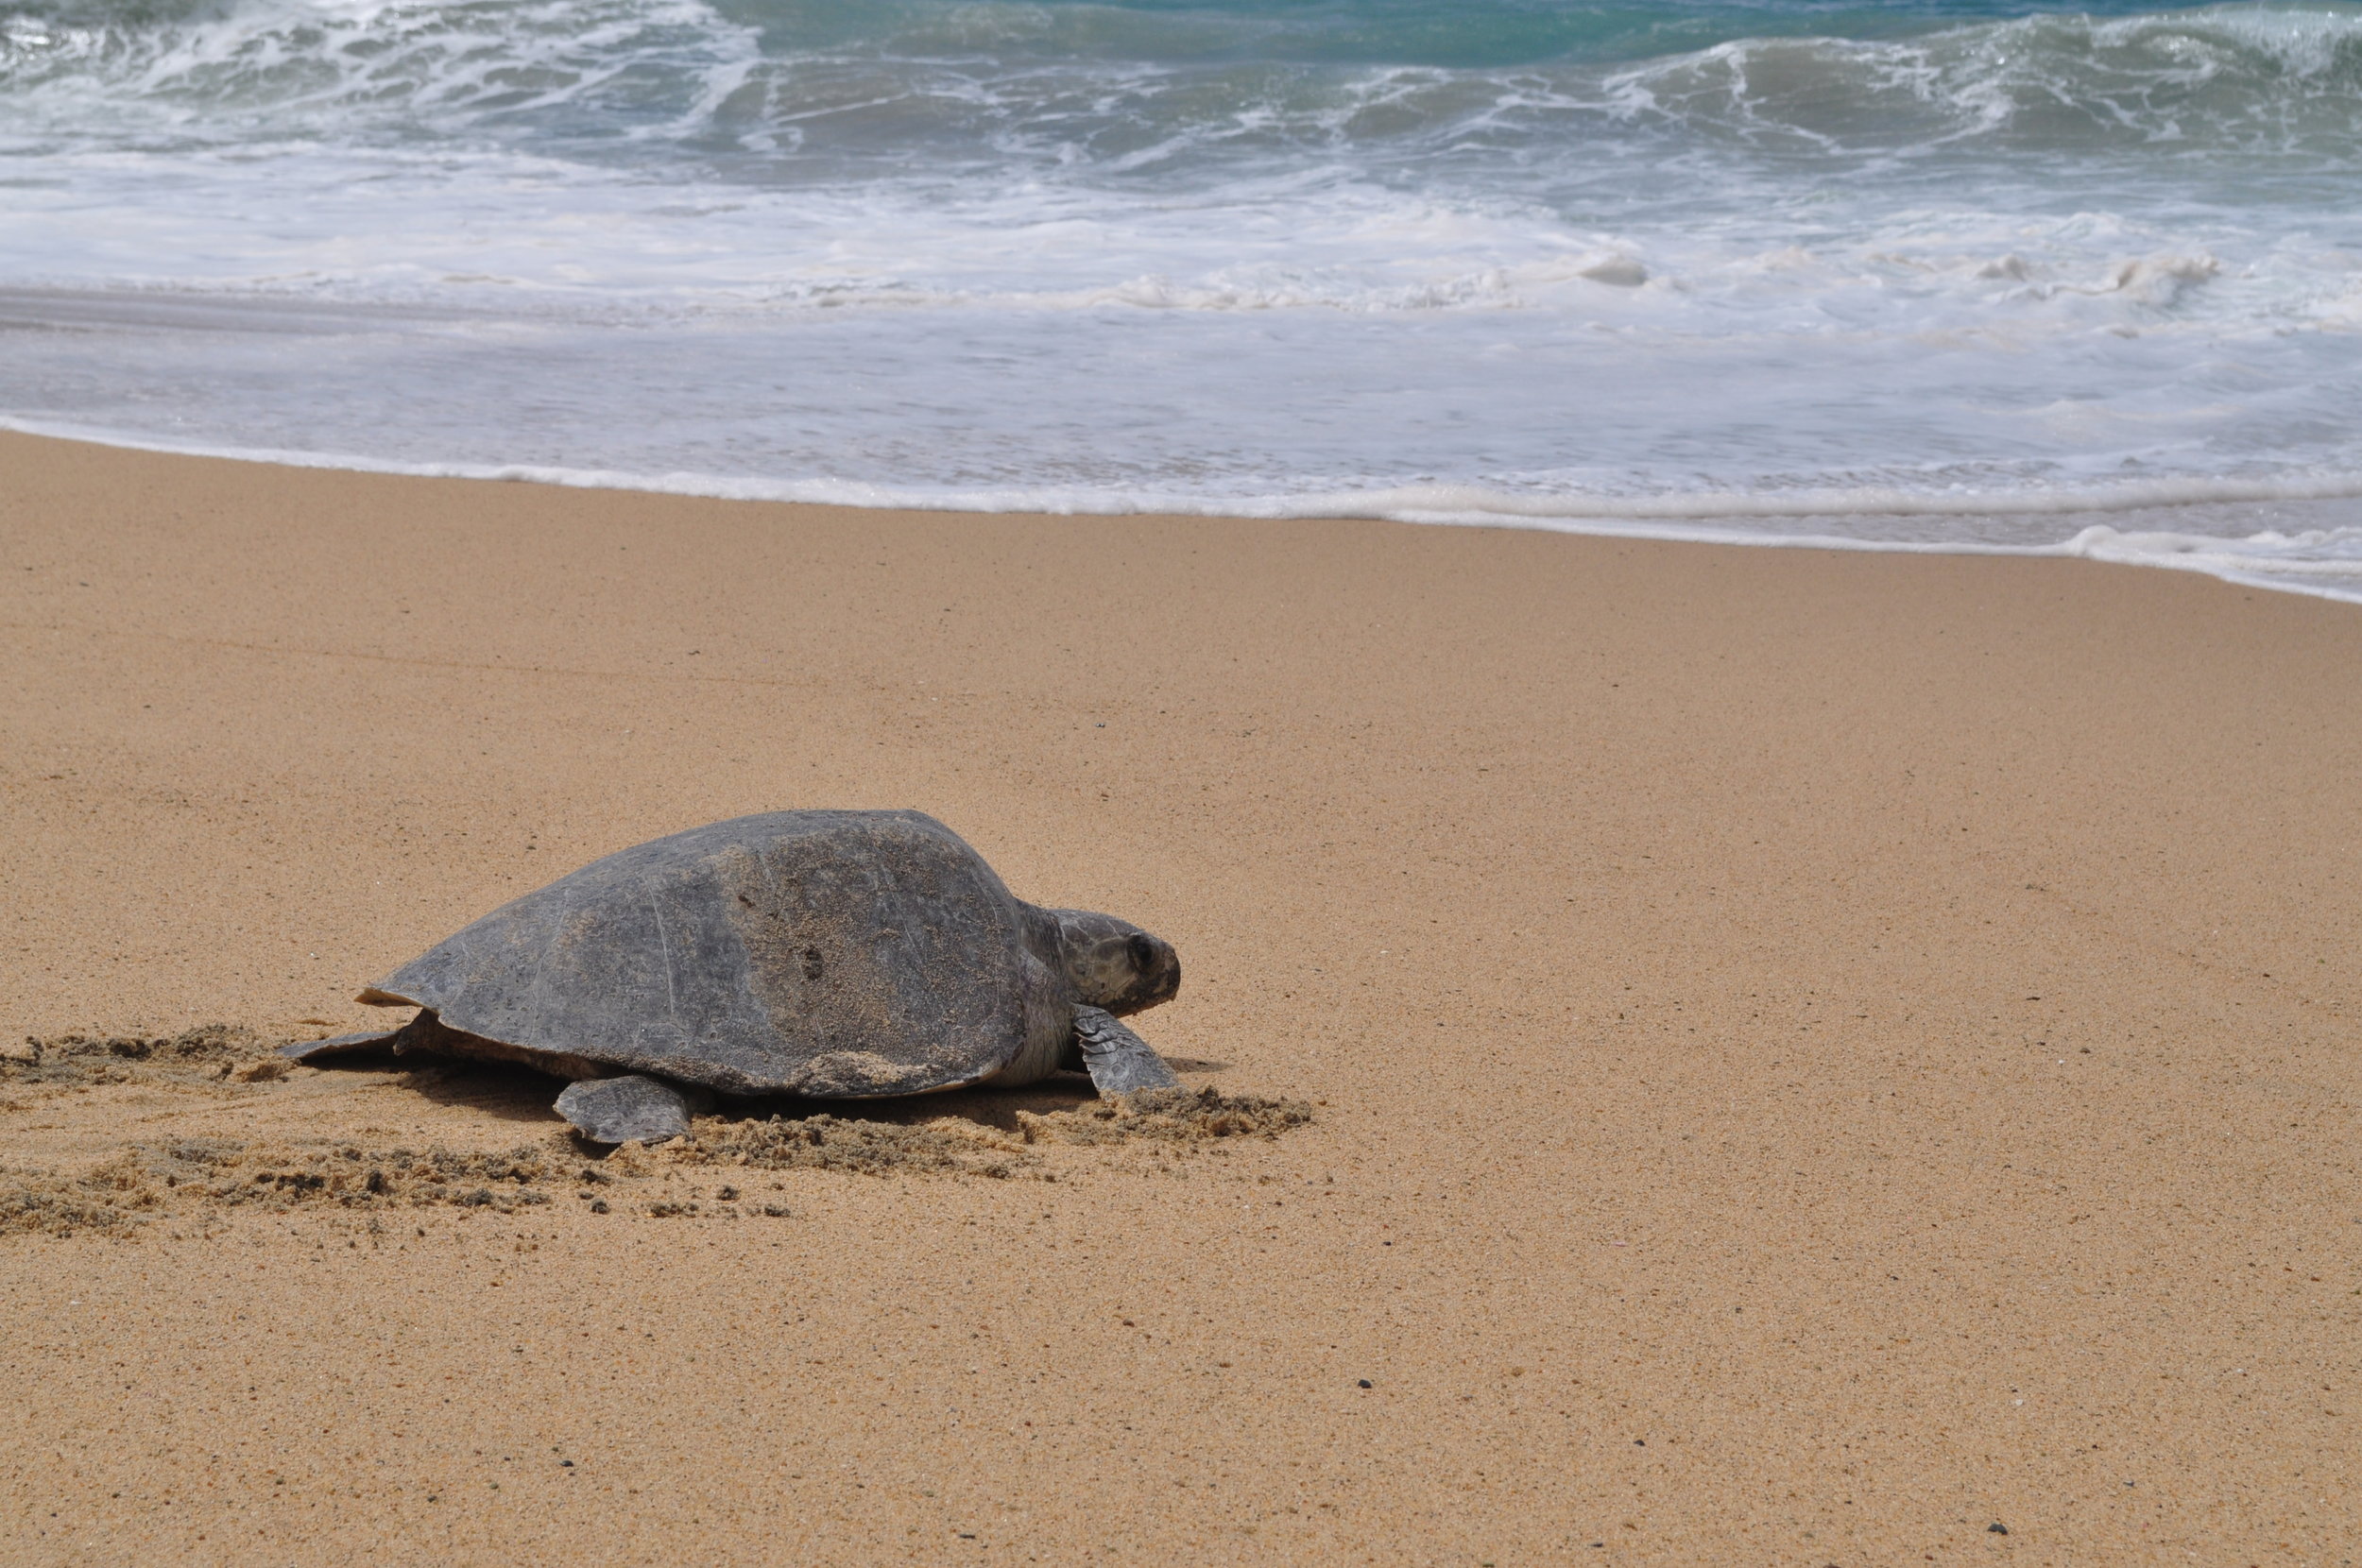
841, 955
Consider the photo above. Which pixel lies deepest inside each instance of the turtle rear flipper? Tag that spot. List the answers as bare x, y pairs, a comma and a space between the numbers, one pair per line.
1119, 1061
309, 1050
415, 1032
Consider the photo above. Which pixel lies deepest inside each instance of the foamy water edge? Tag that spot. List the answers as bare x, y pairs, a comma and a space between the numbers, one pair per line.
2285, 563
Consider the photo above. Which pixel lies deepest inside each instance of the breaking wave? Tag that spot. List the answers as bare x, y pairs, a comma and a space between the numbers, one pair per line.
1949, 272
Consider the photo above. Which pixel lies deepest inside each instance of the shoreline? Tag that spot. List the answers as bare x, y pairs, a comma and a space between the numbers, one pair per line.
2130, 523
1812, 1056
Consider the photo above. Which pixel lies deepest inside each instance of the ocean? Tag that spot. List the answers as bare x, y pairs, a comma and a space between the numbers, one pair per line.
1937, 274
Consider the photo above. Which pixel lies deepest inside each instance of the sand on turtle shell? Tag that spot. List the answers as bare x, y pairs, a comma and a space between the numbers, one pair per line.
206, 1179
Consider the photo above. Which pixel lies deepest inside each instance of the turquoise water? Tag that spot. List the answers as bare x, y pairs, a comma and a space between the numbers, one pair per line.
1913, 275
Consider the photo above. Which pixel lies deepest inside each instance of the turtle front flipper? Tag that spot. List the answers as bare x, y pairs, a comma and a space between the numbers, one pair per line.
1119, 1061
621, 1110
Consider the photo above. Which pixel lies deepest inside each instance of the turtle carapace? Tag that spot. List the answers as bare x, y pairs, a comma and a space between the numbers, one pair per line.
831, 954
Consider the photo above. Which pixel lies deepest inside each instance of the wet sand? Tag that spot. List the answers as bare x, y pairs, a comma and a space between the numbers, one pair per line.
1813, 1056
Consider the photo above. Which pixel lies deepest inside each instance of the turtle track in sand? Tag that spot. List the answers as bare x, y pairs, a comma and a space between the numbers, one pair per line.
210, 1053
199, 1182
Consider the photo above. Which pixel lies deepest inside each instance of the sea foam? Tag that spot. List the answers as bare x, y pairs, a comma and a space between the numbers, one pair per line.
1918, 277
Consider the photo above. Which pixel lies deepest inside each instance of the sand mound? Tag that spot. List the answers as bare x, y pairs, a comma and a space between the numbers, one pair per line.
950, 1145
1168, 1115
945, 1145
153, 1181
209, 1053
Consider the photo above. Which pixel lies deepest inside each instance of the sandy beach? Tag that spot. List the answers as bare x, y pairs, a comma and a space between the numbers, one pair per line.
1815, 1058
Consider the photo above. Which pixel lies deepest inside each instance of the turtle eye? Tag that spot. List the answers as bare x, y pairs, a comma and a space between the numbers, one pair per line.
1143, 951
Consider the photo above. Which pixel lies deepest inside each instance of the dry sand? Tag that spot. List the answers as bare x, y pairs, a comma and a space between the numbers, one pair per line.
1814, 1055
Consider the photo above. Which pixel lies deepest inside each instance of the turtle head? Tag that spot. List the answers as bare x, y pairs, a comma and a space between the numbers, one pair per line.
1115, 964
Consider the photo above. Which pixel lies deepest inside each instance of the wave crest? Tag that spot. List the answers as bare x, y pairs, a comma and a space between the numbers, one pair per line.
976, 82
2279, 80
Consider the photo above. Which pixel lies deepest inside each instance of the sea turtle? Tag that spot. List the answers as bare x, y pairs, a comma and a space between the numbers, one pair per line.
841, 955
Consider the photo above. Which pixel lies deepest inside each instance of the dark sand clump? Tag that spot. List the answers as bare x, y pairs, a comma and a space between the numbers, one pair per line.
152, 1181
209, 1053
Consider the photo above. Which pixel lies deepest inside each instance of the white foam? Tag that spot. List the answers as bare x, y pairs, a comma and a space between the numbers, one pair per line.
1971, 289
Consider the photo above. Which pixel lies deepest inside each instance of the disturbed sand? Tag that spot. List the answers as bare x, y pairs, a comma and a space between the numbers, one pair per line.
1809, 1057
175, 1180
